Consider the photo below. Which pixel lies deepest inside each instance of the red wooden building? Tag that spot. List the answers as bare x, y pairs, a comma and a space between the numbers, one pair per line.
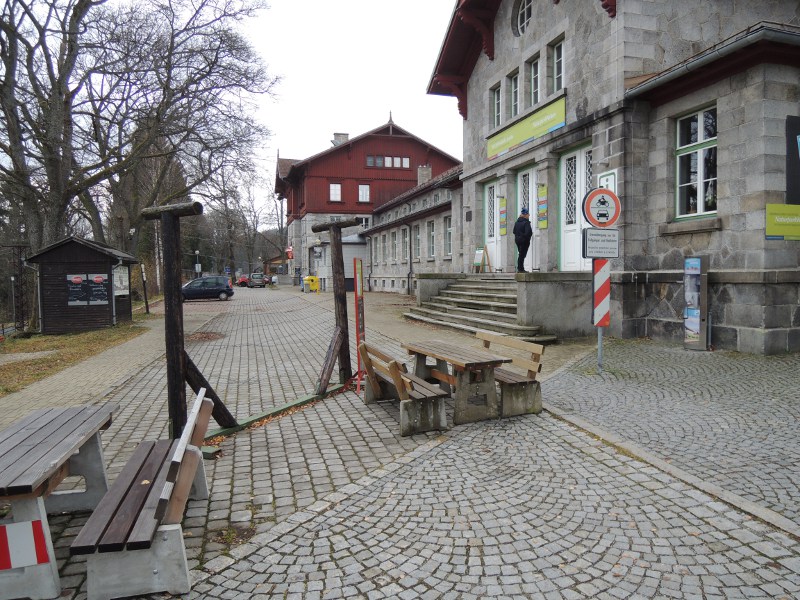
352, 178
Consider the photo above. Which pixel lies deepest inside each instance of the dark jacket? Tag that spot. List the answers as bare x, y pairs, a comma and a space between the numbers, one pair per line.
523, 231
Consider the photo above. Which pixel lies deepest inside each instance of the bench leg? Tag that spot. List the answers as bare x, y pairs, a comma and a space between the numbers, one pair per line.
89, 463
475, 397
520, 399
36, 581
160, 568
423, 371
199, 489
417, 416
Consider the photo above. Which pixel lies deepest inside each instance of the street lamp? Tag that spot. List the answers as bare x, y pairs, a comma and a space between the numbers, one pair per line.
196, 264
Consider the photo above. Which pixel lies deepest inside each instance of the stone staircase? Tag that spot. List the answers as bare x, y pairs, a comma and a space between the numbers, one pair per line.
479, 303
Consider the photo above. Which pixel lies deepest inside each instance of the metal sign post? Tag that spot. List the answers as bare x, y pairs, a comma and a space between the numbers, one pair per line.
601, 208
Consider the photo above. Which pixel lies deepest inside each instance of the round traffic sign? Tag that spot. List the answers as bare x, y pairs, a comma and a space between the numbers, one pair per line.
601, 207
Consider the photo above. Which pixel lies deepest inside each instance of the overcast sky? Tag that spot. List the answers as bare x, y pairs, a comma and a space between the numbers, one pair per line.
345, 65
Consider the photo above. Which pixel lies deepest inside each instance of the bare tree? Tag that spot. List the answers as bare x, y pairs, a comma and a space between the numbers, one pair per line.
89, 91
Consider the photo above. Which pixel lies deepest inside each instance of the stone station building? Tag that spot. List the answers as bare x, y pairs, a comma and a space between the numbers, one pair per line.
687, 111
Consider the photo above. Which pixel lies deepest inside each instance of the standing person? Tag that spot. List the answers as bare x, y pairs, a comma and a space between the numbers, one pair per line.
522, 236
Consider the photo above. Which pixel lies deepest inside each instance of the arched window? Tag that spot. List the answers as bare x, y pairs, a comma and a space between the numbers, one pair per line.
524, 14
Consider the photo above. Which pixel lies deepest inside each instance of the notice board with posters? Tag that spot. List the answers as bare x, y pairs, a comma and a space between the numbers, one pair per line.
792, 160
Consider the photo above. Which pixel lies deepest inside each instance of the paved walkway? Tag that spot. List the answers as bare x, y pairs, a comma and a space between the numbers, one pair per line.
330, 502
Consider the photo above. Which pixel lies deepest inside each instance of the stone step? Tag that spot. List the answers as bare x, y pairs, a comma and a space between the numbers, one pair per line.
472, 323
480, 310
506, 298
502, 307
487, 287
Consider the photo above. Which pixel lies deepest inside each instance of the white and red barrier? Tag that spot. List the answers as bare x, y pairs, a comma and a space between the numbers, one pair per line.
22, 545
601, 292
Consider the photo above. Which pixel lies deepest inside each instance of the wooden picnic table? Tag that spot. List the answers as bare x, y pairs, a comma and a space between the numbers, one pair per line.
471, 382
36, 454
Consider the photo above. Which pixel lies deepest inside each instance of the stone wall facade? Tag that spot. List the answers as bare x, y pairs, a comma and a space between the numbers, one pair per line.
629, 138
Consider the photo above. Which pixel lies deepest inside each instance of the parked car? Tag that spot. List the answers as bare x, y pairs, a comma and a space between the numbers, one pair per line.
257, 280
213, 286
243, 281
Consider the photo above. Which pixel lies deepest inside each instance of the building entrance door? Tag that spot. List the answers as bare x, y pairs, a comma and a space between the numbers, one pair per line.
576, 180
492, 226
526, 194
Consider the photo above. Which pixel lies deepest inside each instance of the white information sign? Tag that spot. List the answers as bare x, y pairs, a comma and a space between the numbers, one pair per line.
600, 243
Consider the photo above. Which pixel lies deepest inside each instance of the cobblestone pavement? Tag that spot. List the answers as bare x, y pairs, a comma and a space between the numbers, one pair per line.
730, 419
331, 502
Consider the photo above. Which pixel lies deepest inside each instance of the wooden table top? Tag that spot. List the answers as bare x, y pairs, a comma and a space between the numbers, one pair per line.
463, 357
34, 448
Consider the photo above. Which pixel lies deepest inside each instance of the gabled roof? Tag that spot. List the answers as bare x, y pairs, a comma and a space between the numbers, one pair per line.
284, 165
91, 244
388, 129
471, 31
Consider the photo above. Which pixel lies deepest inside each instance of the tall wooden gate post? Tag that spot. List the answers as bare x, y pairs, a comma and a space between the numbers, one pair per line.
339, 292
180, 369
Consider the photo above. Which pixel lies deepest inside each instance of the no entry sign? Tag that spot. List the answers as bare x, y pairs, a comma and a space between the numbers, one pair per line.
601, 207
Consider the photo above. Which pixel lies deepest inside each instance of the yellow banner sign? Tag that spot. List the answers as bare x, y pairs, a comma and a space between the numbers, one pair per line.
545, 120
783, 222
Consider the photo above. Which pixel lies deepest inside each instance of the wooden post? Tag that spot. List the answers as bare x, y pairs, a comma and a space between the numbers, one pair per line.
330, 359
339, 293
177, 370
173, 323
196, 381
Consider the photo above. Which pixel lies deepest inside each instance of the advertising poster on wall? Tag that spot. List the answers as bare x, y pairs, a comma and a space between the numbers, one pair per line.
77, 293
541, 206
792, 160
97, 285
122, 281
503, 216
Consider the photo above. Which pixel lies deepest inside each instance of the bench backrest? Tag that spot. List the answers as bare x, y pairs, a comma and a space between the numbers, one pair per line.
387, 367
531, 359
185, 460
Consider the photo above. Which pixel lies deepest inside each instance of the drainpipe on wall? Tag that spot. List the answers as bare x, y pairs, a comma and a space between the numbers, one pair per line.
113, 295
410, 262
369, 277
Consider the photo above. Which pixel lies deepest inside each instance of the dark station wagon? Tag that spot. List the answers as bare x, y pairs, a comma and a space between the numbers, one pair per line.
213, 286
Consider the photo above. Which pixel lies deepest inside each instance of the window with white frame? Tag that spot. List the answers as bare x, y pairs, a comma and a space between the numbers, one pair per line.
696, 158
524, 15
406, 162
431, 240
448, 236
495, 95
336, 192
417, 242
363, 192
384, 253
375, 258
557, 54
513, 92
534, 73
404, 243
393, 245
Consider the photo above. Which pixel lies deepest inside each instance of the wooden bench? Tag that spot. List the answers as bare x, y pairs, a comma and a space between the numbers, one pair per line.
422, 405
133, 540
520, 394
36, 454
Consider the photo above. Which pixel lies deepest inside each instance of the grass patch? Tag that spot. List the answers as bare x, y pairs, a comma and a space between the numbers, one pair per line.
64, 351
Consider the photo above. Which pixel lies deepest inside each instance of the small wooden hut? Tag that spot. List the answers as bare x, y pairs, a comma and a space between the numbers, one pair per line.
83, 285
